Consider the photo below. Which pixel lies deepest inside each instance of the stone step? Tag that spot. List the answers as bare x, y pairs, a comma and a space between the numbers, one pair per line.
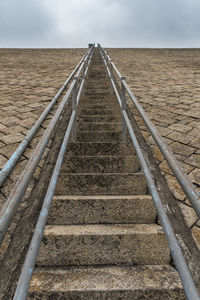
97, 105
104, 112
101, 184
98, 97
97, 94
99, 126
129, 244
96, 149
92, 84
99, 136
100, 118
100, 103
93, 87
109, 282
101, 164
68, 210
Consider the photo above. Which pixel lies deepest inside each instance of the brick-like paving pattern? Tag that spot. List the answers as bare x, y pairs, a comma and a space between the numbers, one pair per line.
29, 79
167, 84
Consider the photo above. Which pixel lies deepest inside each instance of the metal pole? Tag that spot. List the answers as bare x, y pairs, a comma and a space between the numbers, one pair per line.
74, 107
29, 264
123, 101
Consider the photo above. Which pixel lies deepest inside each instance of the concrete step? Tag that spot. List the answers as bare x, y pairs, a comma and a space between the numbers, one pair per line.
97, 88
99, 97
100, 118
99, 136
97, 94
99, 103
109, 282
96, 149
100, 126
129, 244
101, 184
68, 210
92, 84
100, 164
104, 112
105, 105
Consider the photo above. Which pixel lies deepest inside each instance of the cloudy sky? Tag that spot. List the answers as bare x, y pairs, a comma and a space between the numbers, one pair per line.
113, 23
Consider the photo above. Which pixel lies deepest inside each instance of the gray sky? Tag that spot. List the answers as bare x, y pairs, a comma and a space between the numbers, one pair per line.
113, 23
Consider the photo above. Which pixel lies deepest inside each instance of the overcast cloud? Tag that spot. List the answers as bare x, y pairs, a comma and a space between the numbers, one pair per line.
113, 23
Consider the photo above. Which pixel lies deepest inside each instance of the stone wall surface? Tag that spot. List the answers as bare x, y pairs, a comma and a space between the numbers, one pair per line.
167, 84
29, 79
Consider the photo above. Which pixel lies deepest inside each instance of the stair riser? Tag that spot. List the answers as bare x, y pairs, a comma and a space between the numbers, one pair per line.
111, 295
102, 112
95, 126
102, 211
115, 164
124, 283
101, 184
131, 249
99, 136
100, 118
92, 105
96, 149
99, 96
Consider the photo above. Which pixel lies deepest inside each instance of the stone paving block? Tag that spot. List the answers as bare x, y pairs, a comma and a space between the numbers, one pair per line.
195, 132
195, 142
12, 138
3, 160
180, 127
189, 214
175, 187
196, 235
182, 149
195, 176
194, 160
180, 137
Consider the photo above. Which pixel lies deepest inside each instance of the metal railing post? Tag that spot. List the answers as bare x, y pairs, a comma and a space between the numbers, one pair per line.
74, 107
83, 75
123, 98
111, 75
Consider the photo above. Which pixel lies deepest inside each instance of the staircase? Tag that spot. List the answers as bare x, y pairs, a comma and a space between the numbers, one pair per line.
101, 241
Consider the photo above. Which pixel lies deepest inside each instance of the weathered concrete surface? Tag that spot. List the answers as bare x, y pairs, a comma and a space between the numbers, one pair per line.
101, 184
88, 209
101, 164
103, 244
138, 282
166, 82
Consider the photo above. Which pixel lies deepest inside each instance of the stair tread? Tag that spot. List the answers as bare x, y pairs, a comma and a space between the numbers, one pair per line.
102, 209
147, 279
103, 229
96, 197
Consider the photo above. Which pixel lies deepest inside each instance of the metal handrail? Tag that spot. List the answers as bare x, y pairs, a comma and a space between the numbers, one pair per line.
8, 167
9, 209
29, 264
185, 182
181, 265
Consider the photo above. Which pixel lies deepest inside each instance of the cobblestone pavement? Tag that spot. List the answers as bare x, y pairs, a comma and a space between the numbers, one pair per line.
29, 79
167, 84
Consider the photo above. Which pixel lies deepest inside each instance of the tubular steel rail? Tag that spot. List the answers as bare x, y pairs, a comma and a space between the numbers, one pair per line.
7, 168
14, 199
29, 264
181, 265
